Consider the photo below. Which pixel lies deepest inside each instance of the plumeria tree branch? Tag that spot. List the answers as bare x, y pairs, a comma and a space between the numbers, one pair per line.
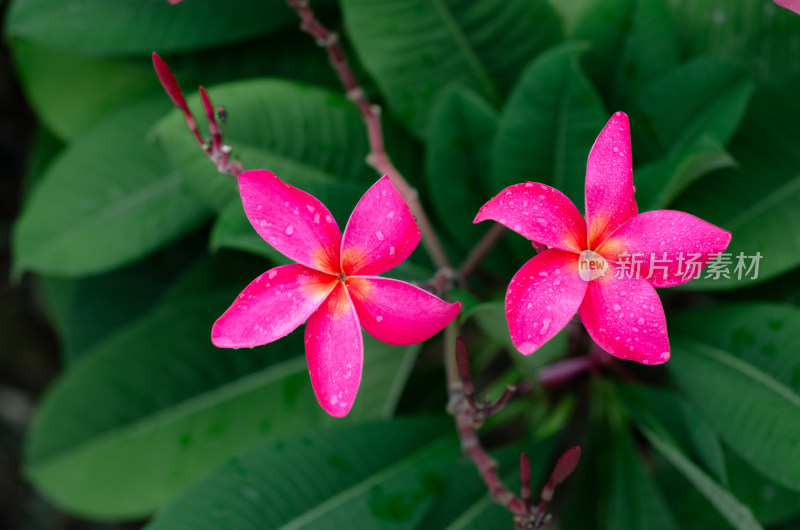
214, 148
378, 158
469, 417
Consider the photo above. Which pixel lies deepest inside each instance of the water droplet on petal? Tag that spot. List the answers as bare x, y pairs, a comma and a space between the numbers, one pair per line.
617, 307
272, 274
545, 326
391, 251
379, 235
640, 321
328, 219
379, 318
310, 208
289, 230
541, 221
390, 214
316, 218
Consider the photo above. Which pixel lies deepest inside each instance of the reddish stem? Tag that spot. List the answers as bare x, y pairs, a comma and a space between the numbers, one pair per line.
469, 416
215, 148
377, 158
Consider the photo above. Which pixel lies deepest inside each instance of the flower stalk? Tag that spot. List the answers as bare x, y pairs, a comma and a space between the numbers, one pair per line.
215, 148
378, 158
469, 417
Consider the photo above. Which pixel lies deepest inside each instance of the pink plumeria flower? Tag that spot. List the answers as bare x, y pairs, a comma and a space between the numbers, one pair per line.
584, 268
333, 285
793, 5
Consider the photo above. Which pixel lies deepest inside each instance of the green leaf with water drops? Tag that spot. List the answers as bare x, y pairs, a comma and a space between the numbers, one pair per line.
374, 475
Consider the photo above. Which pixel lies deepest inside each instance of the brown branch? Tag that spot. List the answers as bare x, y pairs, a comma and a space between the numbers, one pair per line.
479, 251
469, 417
377, 158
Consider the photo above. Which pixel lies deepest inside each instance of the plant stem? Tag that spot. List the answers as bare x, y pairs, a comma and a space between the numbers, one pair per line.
479, 251
377, 158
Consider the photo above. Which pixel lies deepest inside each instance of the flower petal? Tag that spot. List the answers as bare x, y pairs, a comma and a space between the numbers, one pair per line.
625, 318
672, 247
793, 5
542, 297
381, 232
297, 224
540, 213
335, 352
272, 306
397, 312
609, 180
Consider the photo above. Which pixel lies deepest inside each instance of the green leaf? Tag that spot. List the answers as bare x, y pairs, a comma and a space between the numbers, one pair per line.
309, 137
770, 502
763, 335
634, 500
660, 182
759, 35
366, 476
415, 49
233, 230
141, 26
673, 418
759, 423
633, 41
491, 318
71, 92
109, 199
88, 309
548, 125
757, 202
458, 161
160, 394
738, 515
684, 119
704, 97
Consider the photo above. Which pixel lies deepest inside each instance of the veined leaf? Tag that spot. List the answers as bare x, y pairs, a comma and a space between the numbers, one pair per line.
737, 515
458, 161
761, 36
673, 418
757, 201
632, 42
704, 97
660, 182
548, 126
108, 199
365, 476
156, 406
753, 412
634, 500
415, 49
309, 137
140, 26
71, 92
